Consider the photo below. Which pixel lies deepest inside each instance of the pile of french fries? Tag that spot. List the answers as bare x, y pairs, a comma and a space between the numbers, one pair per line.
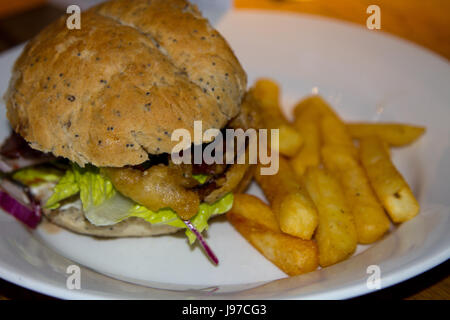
330, 193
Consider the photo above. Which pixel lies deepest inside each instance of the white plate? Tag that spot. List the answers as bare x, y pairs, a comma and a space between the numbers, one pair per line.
366, 75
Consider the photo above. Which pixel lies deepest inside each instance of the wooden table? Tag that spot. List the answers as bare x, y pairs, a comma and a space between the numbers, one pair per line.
424, 22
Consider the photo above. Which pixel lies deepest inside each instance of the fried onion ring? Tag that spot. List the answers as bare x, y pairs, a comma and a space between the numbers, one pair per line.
158, 187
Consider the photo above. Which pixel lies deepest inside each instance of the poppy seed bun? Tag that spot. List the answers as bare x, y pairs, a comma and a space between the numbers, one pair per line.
113, 91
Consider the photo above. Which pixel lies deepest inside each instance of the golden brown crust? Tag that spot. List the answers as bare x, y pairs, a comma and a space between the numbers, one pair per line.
114, 90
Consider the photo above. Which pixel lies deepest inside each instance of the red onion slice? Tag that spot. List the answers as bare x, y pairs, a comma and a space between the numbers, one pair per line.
19, 202
30, 217
202, 241
15, 190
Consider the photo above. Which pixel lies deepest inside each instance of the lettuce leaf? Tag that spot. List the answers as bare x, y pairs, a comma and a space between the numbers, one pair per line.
33, 176
65, 188
111, 211
103, 205
94, 187
200, 220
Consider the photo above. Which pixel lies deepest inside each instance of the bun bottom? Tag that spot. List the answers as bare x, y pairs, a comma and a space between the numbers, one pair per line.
74, 220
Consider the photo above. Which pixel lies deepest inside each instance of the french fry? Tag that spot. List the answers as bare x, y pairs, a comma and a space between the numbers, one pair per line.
370, 219
266, 93
253, 208
309, 155
336, 233
292, 255
315, 106
389, 185
334, 133
386, 148
395, 134
293, 208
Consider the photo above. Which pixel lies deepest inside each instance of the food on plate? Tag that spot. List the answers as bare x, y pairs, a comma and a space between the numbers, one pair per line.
254, 209
93, 112
386, 148
370, 219
99, 105
389, 185
315, 105
257, 224
395, 134
340, 203
160, 186
307, 124
334, 133
308, 114
336, 233
267, 94
340, 157
290, 202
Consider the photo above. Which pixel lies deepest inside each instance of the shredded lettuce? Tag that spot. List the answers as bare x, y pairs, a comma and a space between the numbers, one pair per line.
103, 205
33, 176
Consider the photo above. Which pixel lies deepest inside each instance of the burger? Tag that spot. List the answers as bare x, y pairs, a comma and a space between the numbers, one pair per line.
93, 110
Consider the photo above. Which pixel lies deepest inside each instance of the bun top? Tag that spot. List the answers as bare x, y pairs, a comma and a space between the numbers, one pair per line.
114, 90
